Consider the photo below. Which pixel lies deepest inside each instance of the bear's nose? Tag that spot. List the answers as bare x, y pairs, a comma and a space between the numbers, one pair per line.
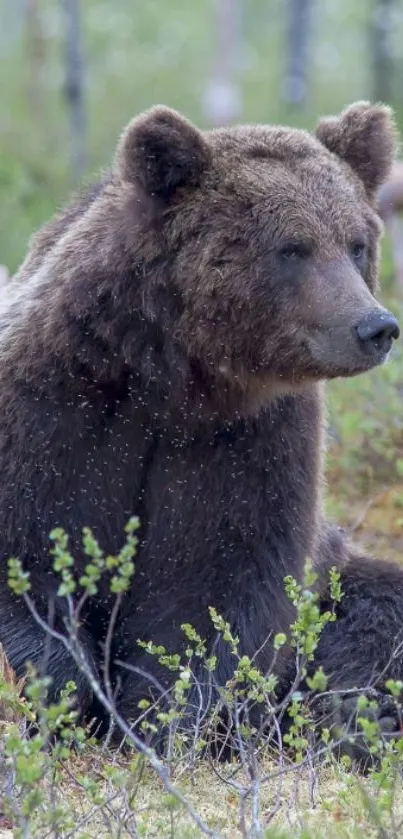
377, 330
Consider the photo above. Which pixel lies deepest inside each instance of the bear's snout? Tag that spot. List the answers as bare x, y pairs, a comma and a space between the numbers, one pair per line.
376, 331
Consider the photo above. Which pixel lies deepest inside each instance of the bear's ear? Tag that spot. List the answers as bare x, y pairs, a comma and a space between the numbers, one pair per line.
365, 137
161, 151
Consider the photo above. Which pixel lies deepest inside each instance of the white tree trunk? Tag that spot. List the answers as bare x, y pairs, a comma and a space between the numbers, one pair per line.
222, 100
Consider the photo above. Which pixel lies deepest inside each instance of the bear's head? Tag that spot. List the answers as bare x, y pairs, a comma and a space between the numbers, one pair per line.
267, 239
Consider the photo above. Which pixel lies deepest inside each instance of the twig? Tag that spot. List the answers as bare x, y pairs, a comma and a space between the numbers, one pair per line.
158, 766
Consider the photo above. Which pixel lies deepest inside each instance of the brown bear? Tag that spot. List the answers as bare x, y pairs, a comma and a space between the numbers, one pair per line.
163, 349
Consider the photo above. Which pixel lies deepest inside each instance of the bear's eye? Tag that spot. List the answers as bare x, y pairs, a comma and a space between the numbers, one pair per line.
357, 250
294, 250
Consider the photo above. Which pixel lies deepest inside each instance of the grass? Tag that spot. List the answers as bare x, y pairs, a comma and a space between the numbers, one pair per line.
332, 804
336, 808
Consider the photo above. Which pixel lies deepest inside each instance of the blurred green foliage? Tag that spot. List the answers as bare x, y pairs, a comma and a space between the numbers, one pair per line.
138, 54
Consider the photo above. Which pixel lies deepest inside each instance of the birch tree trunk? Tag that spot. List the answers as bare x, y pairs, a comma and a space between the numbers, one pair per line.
380, 28
298, 40
74, 85
222, 101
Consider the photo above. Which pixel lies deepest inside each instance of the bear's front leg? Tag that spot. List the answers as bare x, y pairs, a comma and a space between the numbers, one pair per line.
25, 641
361, 650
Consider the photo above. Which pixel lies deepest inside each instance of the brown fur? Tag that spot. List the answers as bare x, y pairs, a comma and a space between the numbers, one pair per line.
162, 350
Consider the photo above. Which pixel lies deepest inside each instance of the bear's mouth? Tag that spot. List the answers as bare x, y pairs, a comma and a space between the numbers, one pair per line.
340, 351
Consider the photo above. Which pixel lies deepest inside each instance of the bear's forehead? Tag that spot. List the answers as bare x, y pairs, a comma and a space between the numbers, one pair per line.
276, 162
261, 141
307, 185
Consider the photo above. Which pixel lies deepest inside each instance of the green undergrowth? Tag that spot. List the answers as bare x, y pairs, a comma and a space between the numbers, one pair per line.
58, 781
365, 442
